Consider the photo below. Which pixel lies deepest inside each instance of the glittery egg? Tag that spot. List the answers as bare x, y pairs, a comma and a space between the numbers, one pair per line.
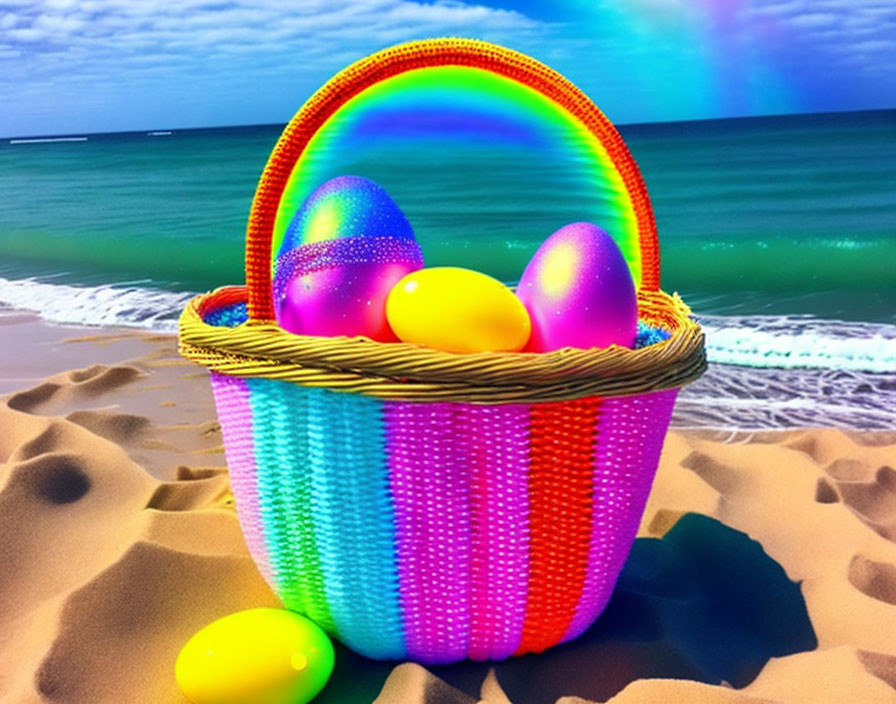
579, 291
457, 310
343, 251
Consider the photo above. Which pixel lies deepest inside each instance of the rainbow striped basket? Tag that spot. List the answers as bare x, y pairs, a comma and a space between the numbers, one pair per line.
425, 505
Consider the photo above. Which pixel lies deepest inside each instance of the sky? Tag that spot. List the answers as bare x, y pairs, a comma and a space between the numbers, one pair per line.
70, 67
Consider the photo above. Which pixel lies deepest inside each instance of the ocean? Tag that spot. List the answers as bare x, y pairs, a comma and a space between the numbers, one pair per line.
780, 233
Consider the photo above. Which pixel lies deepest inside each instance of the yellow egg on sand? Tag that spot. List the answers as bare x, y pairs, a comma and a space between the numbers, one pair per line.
457, 310
257, 656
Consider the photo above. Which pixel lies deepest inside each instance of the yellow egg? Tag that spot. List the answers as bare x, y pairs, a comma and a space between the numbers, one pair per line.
457, 310
258, 656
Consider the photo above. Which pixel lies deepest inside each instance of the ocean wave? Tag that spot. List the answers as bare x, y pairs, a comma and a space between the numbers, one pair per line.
800, 341
765, 372
759, 341
735, 397
120, 305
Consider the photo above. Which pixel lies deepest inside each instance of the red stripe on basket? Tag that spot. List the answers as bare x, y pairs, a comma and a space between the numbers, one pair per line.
560, 513
632, 429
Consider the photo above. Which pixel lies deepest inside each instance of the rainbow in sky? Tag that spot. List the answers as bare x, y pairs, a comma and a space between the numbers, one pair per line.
449, 124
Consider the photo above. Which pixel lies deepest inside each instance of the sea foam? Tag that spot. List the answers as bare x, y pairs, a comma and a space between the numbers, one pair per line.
119, 305
765, 372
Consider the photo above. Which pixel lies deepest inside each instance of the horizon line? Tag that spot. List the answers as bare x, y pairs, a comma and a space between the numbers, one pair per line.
166, 131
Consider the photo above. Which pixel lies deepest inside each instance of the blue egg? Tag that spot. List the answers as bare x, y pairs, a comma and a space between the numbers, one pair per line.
343, 251
346, 207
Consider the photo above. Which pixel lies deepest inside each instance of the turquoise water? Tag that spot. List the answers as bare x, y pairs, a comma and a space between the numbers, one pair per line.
780, 232
776, 215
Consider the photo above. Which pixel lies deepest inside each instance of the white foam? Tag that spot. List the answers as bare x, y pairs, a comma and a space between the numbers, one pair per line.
47, 140
792, 342
750, 398
106, 306
782, 342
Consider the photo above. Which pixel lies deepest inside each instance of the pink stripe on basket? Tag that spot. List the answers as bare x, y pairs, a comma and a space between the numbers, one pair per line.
499, 469
630, 435
428, 468
235, 415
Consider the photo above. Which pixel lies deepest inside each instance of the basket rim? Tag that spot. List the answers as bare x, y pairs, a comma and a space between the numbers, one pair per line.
401, 371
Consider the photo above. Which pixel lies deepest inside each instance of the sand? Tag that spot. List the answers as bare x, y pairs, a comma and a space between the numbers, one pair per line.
765, 570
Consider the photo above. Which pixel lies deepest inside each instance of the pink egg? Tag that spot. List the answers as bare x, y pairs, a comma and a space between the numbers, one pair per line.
579, 291
346, 300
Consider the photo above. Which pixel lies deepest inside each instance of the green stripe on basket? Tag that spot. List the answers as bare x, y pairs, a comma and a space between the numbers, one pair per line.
279, 429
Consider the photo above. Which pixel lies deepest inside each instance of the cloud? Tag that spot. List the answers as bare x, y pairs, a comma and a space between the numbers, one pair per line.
834, 31
257, 59
844, 15
112, 32
815, 19
68, 53
106, 56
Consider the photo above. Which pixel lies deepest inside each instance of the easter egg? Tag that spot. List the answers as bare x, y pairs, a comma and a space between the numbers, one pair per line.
343, 251
263, 656
579, 291
457, 310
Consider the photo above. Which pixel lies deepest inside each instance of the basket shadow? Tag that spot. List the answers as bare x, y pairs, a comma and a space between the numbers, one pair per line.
703, 603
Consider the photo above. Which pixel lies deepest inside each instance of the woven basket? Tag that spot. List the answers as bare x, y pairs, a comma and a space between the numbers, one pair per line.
425, 505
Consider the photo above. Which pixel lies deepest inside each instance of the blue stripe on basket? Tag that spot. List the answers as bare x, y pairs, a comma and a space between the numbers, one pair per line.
354, 521
279, 420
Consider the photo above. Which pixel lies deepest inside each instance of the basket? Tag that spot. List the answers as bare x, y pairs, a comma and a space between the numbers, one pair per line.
424, 505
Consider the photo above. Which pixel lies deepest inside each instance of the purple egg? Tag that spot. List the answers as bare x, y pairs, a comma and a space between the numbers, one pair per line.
579, 291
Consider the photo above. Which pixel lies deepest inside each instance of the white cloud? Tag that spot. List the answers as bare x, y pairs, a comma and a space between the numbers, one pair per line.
26, 35
113, 37
850, 33
814, 19
875, 45
64, 25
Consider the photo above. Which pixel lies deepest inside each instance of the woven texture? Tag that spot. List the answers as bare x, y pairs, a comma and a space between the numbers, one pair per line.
440, 531
425, 505
406, 372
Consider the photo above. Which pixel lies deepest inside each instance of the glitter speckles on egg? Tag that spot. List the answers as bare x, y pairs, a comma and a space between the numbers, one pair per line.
346, 247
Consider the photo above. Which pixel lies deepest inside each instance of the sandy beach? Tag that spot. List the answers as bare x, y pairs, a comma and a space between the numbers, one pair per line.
765, 570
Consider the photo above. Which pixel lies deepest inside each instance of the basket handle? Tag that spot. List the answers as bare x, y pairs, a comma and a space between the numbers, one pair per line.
415, 55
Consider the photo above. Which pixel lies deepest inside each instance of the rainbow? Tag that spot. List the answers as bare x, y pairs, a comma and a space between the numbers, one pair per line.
466, 96
469, 109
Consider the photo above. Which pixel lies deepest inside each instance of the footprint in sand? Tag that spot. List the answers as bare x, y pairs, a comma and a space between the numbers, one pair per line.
872, 499
73, 386
825, 493
194, 487
879, 664
100, 558
92, 398
874, 579
120, 428
57, 479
